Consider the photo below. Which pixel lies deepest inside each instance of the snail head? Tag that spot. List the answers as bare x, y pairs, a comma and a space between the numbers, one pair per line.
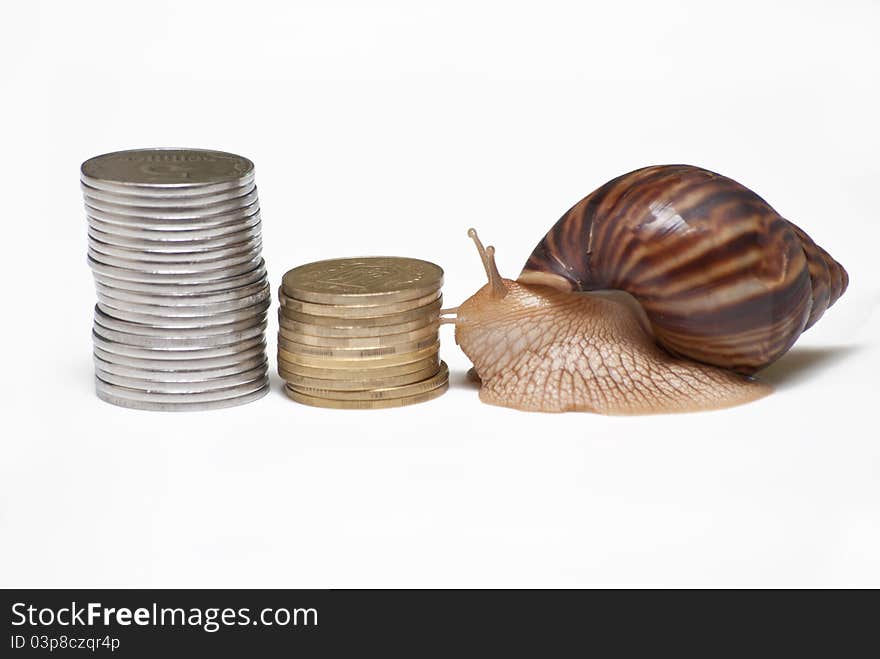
484, 300
487, 321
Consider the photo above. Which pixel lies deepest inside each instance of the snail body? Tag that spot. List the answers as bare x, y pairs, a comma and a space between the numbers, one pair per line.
711, 286
544, 350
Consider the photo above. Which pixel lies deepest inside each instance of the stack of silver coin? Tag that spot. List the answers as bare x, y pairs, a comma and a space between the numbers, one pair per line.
174, 247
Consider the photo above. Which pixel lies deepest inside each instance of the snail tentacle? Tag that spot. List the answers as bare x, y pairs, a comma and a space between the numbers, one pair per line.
487, 255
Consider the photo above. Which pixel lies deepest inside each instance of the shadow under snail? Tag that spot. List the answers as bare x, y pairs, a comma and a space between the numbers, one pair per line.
664, 290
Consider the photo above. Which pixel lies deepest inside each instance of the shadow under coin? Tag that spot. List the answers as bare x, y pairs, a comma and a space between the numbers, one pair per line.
801, 364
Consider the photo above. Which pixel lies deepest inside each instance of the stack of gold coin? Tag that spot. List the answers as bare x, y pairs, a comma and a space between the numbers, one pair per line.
361, 333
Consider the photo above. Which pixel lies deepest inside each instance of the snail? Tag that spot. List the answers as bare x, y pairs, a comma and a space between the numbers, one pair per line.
664, 290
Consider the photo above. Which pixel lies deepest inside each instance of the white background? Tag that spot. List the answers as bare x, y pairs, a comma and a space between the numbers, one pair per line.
390, 128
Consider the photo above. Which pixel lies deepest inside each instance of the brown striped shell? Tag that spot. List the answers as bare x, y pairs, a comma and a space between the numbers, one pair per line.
722, 277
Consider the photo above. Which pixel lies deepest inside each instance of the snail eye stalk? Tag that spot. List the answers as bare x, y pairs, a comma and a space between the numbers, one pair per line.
487, 255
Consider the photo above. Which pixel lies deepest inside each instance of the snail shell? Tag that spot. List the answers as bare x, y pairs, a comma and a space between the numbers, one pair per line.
721, 276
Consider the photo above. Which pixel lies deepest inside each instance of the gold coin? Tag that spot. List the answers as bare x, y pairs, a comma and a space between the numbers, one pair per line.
366, 404
356, 353
356, 374
353, 310
363, 362
363, 343
330, 333
427, 313
361, 280
383, 393
303, 382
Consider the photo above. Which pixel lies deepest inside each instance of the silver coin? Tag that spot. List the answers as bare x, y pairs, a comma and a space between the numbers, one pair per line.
171, 290
185, 359
178, 310
125, 365
189, 328
179, 402
135, 344
211, 276
186, 381
173, 213
132, 204
251, 291
179, 350
258, 274
171, 242
128, 344
182, 228
183, 337
238, 214
181, 326
160, 192
177, 201
175, 365
220, 234
113, 273
184, 327
144, 254
179, 231
214, 267
178, 375
186, 386
154, 324
135, 258
195, 206
183, 222
181, 396
183, 407
166, 168
207, 320
160, 267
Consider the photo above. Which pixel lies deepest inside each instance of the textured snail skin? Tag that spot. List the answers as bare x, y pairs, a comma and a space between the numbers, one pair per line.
721, 276
541, 349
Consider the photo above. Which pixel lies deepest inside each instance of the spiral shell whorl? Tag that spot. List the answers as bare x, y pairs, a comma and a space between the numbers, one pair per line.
722, 277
